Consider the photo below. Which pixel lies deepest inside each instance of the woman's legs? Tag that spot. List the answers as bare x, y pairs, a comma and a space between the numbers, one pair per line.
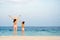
15, 29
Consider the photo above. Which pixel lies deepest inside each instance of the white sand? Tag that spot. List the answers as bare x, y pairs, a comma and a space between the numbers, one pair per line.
29, 37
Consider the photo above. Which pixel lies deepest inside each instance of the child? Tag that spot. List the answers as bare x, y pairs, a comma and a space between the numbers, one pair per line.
23, 26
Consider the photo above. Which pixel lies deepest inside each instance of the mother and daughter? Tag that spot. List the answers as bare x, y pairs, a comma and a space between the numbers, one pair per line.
15, 22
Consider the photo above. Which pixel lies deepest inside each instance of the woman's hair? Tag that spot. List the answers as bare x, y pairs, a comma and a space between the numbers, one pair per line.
14, 20
23, 22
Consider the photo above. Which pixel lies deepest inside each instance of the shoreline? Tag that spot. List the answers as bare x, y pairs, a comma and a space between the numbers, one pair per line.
29, 37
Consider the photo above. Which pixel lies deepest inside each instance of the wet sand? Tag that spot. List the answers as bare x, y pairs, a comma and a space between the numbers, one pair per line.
29, 37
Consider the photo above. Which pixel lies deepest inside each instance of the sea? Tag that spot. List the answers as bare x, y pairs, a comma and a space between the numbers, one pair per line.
31, 31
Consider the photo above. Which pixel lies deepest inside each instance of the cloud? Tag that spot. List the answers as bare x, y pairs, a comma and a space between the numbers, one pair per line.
19, 0
15, 1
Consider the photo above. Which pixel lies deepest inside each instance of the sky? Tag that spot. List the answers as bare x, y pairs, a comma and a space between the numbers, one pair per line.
33, 12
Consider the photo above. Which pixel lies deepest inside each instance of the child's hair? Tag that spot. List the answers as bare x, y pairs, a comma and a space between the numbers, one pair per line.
14, 20
23, 22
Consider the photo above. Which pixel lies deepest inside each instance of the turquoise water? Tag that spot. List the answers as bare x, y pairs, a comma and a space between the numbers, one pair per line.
31, 31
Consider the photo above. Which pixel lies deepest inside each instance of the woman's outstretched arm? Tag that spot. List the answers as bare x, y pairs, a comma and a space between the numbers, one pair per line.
11, 17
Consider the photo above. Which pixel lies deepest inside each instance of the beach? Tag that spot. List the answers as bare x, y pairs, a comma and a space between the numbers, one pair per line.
29, 37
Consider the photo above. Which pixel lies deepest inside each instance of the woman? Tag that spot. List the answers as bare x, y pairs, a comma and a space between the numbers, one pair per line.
15, 21
15, 24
